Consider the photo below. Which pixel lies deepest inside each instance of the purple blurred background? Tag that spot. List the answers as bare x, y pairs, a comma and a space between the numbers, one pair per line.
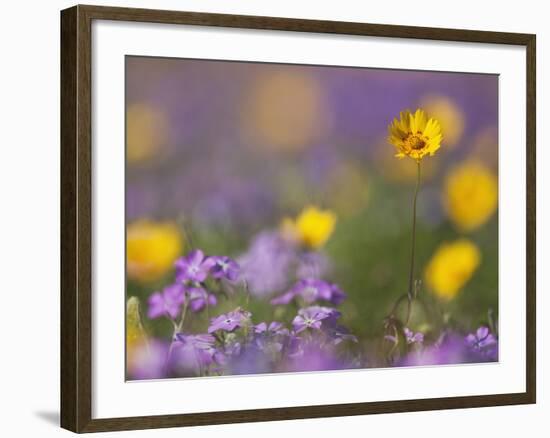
236, 144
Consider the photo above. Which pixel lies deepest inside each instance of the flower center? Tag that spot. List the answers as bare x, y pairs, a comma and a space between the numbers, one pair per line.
415, 141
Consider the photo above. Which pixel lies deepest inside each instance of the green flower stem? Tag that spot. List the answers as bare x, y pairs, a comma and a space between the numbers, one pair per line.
183, 314
177, 328
411, 290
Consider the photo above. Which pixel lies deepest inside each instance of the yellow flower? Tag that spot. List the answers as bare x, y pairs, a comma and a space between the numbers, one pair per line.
151, 248
451, 266
312, 227
415, 135
470, 195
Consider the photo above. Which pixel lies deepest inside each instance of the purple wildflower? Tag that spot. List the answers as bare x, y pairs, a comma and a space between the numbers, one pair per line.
229, 321
224, 267
483, 342
339, 334
294, 346
270, 338
449, 349
312, 264
283, 299
336, 333
482, 338
198, 298
337, 295
313, 358
266, 265
332, 314
196, 351
311, 290
310, 317
166, 303
274, 327
413, 338
251, 361
147, 361
232, 347
194, 267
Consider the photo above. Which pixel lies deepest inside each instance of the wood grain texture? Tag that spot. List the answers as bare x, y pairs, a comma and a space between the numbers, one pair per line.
76, 224
69, 327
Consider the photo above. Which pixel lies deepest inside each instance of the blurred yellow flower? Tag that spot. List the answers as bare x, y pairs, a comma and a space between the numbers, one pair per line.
470, 195
135, 334
449, 115
285, 111
146, 132
151, 248
451, 266
414, 135
137, 342
312, 227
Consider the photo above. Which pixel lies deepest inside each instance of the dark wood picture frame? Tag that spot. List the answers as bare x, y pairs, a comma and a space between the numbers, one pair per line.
76, 219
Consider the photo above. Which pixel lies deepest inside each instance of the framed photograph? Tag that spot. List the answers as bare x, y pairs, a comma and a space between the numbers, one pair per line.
270, 218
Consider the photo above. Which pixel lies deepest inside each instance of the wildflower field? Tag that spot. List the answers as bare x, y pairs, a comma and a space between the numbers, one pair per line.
284, 218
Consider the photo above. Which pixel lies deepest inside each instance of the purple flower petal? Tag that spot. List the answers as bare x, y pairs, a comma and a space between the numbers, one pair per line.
198, 298
223, 267
166, 303
192, 352
312, 264
147, 361
283, 299
229, 321
412, 337
309, 318
337, 295
482, 332
192, 268
311, 290
267, 264
471, 340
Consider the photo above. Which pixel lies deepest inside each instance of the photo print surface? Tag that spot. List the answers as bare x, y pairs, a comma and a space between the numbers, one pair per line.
290, 218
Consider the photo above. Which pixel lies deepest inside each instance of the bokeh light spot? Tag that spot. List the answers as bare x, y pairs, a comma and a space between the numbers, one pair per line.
151, 249
470, 195
146, 132
449, 115
285, 111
